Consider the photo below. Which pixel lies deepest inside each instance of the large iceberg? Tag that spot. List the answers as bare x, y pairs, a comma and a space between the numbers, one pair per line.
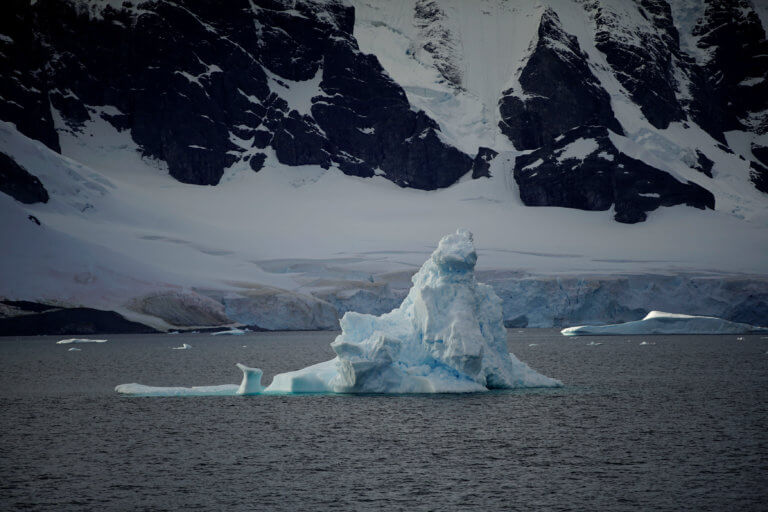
658, 322
447, 336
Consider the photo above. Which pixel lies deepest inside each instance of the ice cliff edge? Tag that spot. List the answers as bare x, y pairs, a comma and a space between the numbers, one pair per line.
447, 336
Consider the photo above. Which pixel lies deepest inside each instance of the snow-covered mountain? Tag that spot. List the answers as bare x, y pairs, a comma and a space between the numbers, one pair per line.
278, 162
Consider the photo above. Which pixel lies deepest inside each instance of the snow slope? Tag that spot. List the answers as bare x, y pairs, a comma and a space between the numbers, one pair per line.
117, 227
292, 247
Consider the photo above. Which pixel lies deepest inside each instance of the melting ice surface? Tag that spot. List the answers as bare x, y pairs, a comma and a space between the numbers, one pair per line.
657, 322
447, 336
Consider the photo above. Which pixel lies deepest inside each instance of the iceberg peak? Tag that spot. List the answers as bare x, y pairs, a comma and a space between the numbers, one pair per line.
455, 255
447, 336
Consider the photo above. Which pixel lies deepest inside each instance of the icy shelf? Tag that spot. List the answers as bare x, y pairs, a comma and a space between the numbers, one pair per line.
447, 336
658, 322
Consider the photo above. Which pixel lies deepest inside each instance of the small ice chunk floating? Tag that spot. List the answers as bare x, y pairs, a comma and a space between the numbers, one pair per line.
658, 322
447, 336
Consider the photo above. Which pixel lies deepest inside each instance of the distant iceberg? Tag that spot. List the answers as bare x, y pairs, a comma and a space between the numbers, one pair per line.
230, 332
658, 322
447, 336
184, 346
79, 340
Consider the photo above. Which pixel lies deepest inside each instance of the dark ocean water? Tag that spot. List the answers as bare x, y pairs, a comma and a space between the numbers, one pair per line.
678, 424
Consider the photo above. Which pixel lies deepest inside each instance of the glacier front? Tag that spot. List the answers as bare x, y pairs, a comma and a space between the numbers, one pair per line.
658, 322
447, 336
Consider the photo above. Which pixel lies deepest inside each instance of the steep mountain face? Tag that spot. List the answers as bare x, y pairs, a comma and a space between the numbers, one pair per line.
598, 177
557, 92
316, 119
644, 58
203, 85
206, 87
732, 90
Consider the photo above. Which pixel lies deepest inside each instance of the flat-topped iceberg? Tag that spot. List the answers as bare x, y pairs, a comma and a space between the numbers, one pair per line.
79, 340
658, 322
447, 336
230, 332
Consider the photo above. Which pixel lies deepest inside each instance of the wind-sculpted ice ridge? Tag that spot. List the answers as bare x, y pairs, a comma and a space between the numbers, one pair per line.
657, 322
447, 336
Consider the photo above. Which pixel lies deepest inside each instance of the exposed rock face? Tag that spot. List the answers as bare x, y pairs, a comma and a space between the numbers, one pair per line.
703, 164
439, 42
731, 90
481, 167
642, 59
584, 170
761, 153
759, 176
24, 85
203, 84
20, 184
558, 92
70, 321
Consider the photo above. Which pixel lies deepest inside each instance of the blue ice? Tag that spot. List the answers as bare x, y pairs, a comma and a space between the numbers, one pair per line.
447, 336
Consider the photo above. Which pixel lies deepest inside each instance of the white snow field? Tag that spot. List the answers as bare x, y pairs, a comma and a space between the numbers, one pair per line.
447, 336
286, 248
658, 322
296, 247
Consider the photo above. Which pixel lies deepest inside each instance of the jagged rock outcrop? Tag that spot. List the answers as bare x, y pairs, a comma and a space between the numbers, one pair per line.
584, 170
438, 41
562, 111
557, 91
203, 85
731, 89
481, 167
18, 183
644, 56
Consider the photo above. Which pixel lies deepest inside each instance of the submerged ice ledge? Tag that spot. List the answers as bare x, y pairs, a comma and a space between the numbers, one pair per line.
447, 336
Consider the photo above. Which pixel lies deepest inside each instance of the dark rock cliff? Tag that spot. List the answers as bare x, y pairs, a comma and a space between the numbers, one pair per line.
202, 85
